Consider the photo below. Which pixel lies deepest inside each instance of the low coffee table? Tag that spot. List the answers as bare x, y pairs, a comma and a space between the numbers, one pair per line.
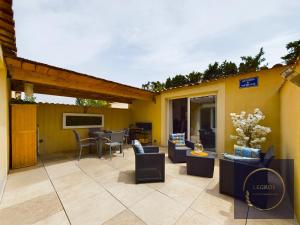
202, 166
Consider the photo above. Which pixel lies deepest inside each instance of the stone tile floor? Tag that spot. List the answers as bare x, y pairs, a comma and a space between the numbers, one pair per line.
62, 190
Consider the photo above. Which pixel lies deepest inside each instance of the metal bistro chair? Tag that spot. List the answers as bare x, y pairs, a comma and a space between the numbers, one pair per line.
82, 143
116, 140
126, 135
93, 131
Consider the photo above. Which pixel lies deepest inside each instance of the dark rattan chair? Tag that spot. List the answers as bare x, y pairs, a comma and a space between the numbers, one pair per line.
233, 174
177, 154
150, 165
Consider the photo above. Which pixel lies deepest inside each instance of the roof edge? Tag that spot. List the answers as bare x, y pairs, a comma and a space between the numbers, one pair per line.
218, 79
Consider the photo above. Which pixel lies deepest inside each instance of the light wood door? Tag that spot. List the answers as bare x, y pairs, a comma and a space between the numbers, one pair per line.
23, 123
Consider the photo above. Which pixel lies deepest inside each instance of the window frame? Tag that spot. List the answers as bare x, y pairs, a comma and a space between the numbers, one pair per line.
64, 120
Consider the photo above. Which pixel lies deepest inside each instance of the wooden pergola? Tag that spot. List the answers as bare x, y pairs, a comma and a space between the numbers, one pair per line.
7, 28
52, 80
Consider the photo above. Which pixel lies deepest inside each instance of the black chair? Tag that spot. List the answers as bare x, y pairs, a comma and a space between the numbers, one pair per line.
233, 174
150, 165
82, 143
177, 154
207, 138
126, 135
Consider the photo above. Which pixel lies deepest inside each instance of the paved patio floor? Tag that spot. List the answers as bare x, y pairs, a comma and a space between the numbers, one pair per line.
102, 191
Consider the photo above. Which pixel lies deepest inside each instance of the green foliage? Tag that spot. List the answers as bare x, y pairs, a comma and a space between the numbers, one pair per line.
252, 64
293, 52
147, 86
29, 99
212, 72
91, 102
228, 68
154, 86
194, 77
168, 82
217, 70
22, 101
181, 80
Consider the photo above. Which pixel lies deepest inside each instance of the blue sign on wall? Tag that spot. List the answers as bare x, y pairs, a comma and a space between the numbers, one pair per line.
249, 82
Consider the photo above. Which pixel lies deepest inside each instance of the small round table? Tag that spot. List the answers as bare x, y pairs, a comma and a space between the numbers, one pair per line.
202, 166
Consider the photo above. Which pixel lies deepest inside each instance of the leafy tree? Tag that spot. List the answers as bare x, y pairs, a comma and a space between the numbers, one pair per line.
154, 86
252, 64
146, 86
228, 68
194, 77
293, 52
179, 80
91, 102
157, 86
212, 72
168, 83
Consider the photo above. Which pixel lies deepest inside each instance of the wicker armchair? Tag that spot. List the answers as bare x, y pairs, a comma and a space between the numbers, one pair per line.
150, 165
233, 174
177, 154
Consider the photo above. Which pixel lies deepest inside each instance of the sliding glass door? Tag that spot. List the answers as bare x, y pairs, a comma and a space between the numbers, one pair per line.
202, 121
196, 117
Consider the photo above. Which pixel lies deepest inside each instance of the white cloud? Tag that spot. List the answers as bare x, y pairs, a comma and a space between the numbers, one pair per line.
133, 41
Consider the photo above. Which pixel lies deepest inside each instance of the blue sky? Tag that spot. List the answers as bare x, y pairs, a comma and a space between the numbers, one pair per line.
135, 41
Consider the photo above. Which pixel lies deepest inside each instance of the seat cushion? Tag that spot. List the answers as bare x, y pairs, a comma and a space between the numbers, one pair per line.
246, 151
138, 148
242, 159
182, 148
178, 139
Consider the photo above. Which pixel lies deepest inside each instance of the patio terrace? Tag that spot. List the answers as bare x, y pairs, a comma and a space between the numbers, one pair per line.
61, 190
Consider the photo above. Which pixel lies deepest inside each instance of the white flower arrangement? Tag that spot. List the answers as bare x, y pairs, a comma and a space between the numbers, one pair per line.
248, 131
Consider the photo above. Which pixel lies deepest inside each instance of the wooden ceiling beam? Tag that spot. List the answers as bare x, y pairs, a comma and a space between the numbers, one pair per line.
6, 7
33, 72
7, 28
8, 18
8, 45
7, 39
44, 89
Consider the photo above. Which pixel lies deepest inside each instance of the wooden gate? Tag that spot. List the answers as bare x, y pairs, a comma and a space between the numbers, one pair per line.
24, 132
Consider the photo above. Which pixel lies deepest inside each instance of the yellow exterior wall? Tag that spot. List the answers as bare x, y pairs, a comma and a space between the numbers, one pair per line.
4, 122
213, 88
266, 97
230, 98
56, 139
148, 112
290, 133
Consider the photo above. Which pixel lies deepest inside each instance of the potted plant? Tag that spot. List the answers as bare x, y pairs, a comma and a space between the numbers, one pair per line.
249, 133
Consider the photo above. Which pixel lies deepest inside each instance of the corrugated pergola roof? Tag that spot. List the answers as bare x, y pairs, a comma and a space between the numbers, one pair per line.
52, 80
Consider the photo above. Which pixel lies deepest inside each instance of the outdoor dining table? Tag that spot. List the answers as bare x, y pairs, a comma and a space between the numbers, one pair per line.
100, 135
